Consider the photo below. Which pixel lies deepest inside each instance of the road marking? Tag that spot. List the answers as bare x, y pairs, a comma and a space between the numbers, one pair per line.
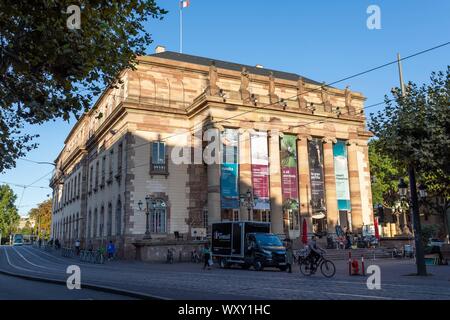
17, 267
334, 293
43, 259
33, 264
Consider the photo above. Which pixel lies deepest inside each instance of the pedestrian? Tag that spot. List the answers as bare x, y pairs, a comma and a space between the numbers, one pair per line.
207, 257
289, 255
77, 247
111, 250
57, 244
348, 239
90, 246
40, 242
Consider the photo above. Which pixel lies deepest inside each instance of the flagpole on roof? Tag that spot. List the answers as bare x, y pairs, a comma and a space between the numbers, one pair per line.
181, 27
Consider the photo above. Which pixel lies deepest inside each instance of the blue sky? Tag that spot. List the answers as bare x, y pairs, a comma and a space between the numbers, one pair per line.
322, 40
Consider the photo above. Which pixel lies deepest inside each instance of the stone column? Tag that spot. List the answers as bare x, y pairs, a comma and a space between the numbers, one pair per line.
213, 172
355, 193
276, 199
330, 185
245, 168
304, 180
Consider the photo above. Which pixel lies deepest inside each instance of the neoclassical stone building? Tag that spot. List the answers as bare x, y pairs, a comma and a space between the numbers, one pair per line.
296, 151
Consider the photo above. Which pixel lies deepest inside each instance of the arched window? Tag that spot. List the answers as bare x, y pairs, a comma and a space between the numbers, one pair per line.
95, 223
158, 217
102, 221
89, 223
118, 217
77, 226
109, 222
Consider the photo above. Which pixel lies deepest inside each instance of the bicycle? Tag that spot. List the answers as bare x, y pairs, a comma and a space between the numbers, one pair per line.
195, 257
309, 265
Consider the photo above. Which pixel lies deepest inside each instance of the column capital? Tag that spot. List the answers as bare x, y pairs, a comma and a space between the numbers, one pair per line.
329, 140
212, 125
302, 136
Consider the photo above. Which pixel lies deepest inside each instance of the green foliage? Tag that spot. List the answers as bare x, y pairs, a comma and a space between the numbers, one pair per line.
385, 173
9, 216
42, 215
48, 71
415, 129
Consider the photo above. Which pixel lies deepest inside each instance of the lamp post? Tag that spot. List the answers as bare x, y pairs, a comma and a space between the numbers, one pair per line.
403, 192
150, 206
247, 200
414, 201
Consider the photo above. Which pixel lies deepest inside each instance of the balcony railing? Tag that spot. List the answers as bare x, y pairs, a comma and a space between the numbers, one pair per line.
159, 169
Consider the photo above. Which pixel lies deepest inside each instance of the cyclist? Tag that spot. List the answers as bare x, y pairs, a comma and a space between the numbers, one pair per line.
315, 251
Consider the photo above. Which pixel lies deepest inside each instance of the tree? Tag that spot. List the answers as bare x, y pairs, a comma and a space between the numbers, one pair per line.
48, 71
9, 216
417, 129
414, 130
42, 215
385, 174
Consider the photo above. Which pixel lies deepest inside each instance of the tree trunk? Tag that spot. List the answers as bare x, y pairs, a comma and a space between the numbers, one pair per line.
420, 257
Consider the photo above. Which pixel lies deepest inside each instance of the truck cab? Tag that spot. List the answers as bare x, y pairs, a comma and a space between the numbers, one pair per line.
265, 250
247, 244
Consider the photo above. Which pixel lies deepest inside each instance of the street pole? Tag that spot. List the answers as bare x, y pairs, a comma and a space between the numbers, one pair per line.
420, 258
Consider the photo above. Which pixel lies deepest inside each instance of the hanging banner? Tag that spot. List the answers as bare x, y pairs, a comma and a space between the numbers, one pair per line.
229, 170
260, 170
341, 174
289, 176
315, 154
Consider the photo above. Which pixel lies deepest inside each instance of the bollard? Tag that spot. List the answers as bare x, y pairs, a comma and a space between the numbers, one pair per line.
362, 265
349, 263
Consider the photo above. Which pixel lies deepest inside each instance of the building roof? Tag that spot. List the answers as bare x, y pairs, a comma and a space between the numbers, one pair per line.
170, 55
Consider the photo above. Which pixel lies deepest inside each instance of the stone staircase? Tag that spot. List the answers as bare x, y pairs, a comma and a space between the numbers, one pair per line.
368, 254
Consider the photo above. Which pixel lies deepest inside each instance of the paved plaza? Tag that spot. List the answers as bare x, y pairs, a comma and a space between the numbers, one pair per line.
189, 281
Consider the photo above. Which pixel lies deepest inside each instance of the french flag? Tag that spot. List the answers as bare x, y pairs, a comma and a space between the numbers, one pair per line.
184, 3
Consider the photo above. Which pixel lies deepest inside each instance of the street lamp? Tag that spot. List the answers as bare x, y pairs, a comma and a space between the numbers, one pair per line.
402, 189
422, 191
247, 200
150, 206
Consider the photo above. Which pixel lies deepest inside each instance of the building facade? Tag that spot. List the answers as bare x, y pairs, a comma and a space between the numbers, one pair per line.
212, 141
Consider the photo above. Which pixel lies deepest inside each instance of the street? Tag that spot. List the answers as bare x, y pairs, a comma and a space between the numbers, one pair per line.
13, 288
189, 281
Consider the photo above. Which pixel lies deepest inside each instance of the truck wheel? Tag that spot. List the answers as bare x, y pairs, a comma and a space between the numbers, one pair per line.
258, 266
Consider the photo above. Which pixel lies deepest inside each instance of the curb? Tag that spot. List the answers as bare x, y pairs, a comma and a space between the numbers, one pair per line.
132, 294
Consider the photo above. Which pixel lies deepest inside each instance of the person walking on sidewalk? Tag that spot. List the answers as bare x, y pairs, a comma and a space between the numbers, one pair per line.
77, 247
111, 250
289, 255
207, 257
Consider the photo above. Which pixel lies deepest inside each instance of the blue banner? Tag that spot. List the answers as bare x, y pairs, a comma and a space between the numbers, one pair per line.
229, 170
341, 174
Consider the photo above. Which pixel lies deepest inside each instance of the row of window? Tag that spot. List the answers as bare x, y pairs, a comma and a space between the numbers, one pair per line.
96, 222
98, 179
70, 192
67, 228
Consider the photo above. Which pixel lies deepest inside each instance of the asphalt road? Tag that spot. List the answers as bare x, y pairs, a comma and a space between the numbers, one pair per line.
188, 281
13, 288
